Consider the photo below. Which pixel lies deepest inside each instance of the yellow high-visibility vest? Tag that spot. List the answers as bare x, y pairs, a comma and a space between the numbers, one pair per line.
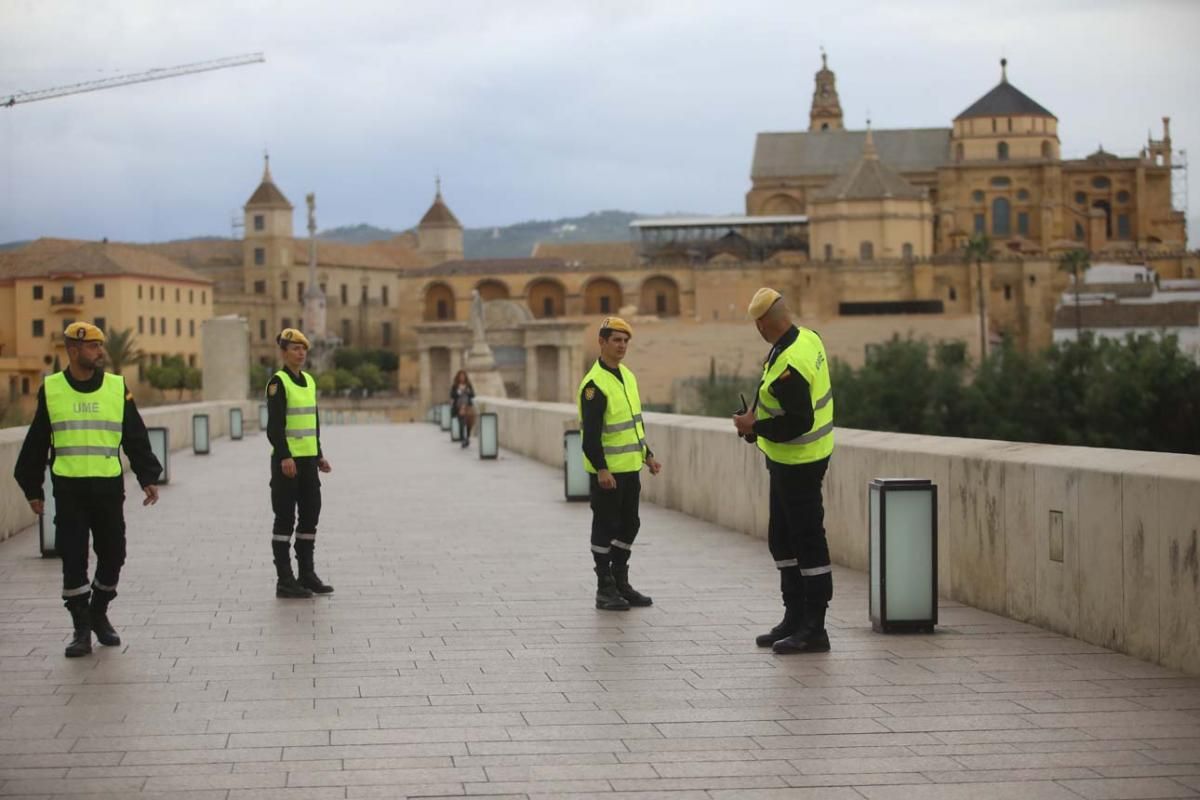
806, 357
623, 435
85, 427
301, 427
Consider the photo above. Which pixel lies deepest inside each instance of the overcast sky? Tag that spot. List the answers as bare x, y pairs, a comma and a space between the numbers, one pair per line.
528, 110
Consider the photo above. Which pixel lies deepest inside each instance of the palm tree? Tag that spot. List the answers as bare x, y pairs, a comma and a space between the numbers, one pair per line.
122, 350
1075, 262
979, 247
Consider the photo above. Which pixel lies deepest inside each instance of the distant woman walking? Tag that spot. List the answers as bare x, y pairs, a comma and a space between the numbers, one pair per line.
462, 404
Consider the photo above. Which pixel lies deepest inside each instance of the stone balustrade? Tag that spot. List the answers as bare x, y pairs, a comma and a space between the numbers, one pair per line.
1097, 544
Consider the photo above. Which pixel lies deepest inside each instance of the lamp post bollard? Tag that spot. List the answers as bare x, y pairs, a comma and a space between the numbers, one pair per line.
455, 429
47, 534
903, 563
489, 435
160, 445
444, 416
262, 417
575, 477
235, 424
200, 434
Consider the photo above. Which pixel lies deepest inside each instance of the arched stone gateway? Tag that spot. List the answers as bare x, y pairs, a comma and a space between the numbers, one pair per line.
601, 296
439, 303
660, 295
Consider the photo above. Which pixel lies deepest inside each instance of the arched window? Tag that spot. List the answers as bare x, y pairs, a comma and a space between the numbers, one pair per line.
958, 152
1001, 181
824, 126
1101, 182
906, 251
1081, 198
1022, 194
1001, 217
1008, 291
492, 289
866, 251
1122, 196
1002, 151
782, 204
439, 303
829, 252
601, 296
977, 196
953, 293
1047, 149
660, 295
546, 298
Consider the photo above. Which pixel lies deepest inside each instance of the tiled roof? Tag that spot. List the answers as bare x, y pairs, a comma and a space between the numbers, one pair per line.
869, 179
47, 257
1004, 100
786, 155
483, 266
439, 214
592, 253
1130, 315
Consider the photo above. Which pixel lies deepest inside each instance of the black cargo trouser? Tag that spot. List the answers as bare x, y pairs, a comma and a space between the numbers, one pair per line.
99, 509
796, 533
615, 521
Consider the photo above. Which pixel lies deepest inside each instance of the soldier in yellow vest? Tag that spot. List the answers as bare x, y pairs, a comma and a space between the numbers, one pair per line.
294, 431
84, 417
792, 423
614, 450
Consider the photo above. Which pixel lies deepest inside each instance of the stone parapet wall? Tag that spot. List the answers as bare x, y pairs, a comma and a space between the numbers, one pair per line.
1129, 522
177, 419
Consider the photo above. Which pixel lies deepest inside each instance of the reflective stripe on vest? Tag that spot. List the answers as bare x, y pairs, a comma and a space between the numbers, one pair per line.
623, 435
85, 427
301, 426
806, 356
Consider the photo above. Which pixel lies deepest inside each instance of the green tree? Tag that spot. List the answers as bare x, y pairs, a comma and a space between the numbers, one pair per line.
1076, 262
166, 376
260, 376
327, 384
122, 350
979, 248
370, 377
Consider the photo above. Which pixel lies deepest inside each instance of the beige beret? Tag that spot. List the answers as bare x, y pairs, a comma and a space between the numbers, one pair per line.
761, 303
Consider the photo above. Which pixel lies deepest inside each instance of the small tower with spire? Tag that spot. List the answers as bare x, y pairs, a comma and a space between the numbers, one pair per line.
439, 233
826, 112
267, 236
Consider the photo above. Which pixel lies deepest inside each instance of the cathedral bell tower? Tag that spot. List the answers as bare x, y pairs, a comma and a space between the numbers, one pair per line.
826, 113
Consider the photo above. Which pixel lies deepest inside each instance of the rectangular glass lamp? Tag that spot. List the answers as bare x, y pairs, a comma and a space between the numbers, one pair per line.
160, 445
903, 563
575, 477
455, 429
47, 535
200, 434
489, 435
262, 416
235, 424
444, 416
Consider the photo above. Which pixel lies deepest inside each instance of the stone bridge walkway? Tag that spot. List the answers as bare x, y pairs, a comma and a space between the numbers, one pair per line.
461, 656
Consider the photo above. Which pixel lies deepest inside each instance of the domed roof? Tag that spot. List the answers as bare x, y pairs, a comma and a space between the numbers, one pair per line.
1005, 100
439, 214
267, 194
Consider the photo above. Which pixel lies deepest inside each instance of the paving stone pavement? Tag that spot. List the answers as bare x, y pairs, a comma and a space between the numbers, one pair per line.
461, 656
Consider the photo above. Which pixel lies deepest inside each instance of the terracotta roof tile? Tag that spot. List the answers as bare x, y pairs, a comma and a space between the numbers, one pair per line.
439, 214
73, 257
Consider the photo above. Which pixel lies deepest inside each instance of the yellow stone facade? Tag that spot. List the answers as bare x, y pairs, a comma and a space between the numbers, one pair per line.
52, 282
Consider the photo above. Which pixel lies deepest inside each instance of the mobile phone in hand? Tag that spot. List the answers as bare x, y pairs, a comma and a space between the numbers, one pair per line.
744, 407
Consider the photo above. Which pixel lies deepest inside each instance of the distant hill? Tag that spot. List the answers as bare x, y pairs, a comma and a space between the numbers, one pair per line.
13, 245
513, 241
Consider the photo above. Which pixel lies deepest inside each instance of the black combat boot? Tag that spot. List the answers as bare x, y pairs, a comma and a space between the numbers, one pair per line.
105, 633
81, 644
620, 573
308, 575
810, 638
607, 596
792, 619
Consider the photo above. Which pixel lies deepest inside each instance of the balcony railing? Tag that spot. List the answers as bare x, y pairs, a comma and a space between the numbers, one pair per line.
74, 300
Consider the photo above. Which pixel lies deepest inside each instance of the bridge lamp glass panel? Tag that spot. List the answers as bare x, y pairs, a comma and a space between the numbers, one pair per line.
200, 444
235, 424
903, 557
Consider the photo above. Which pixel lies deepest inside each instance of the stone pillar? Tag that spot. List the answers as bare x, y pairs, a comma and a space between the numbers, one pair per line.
426, 389
225, 353
531, 372
565, 375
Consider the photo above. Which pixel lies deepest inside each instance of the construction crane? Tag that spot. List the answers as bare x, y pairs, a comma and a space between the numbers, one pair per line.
138, 77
